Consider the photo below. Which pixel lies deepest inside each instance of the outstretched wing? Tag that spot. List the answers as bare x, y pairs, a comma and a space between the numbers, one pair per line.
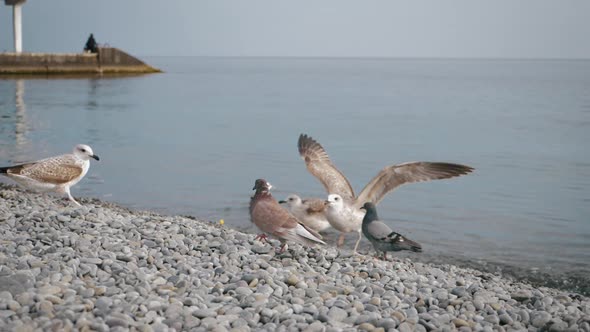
319, 165
395, 175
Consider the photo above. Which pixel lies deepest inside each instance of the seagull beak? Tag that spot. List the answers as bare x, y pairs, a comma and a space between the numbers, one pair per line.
95, 157
281, 202
326, 202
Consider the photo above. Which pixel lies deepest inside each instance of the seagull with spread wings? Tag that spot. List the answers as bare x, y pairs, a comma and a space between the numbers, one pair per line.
343, 206
56, 174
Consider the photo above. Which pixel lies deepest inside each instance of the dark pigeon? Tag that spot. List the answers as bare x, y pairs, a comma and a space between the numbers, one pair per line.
271, 218
382, 237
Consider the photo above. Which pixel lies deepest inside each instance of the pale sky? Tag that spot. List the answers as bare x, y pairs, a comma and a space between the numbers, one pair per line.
338, 28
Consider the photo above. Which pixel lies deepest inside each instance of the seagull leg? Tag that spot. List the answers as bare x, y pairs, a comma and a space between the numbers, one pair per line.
357, 241
340, 240
67, 190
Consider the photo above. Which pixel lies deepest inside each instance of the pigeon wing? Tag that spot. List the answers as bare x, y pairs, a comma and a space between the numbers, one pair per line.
266, 216
319, 165
395, 175
379, 230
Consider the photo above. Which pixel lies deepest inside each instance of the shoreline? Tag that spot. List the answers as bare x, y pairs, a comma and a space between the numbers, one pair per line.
102, 266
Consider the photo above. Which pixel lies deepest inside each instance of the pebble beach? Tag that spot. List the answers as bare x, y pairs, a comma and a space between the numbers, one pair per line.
101, 267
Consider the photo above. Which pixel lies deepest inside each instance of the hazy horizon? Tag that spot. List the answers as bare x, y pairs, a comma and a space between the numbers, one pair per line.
461, 29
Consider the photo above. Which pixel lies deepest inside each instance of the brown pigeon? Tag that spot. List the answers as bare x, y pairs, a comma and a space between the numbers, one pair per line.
271, 218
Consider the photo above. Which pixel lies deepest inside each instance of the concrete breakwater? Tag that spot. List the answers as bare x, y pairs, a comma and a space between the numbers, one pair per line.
108, 60
101, 267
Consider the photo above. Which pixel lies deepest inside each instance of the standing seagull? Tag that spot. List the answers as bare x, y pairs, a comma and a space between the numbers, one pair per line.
343, 211
310, 211
56, 174
271, 218
381, 236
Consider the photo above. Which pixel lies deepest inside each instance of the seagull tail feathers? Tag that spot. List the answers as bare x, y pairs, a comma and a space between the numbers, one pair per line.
304, 236
16, 169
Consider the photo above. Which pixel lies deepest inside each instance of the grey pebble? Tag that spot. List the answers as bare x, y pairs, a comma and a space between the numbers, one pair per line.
540, 318
204, 313
459, 291
405, 327
337, 314
505, 319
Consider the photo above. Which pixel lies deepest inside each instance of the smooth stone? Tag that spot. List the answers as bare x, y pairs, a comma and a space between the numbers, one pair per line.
6, 296
558, 326
459, 291
64, 218
292, 280
460, 322
103, 303
540, 318
366, 327
521, 295
386, 323
16, 283
505, 319
260, 249
492, 319
25, 298
46, 307
405, 327
50, 290
314, 327
116, 321
478, 304
337, 314
204, 313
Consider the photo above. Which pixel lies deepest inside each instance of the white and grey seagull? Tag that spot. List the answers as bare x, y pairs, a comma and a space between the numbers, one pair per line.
55, 174
343, 206
310, 211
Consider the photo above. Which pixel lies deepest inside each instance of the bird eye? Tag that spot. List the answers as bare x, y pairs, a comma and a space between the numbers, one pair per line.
336, 198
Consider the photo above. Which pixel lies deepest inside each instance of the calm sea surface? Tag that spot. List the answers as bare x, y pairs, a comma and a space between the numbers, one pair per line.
193, 140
